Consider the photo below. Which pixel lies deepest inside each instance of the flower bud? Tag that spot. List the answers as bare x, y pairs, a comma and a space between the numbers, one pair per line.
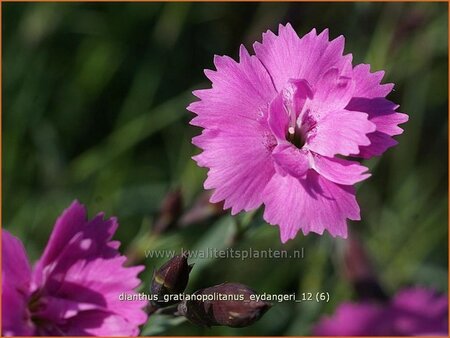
171, 278
227, 304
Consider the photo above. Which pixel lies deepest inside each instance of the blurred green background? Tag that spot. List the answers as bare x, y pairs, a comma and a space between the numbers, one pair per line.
94, 99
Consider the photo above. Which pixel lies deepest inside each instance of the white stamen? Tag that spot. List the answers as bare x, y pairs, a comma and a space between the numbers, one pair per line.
291, 130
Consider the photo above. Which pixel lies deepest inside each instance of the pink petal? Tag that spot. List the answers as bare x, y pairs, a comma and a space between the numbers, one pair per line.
382, 113
58, 309
91, 239
341, 132
338, 170
420, 311
287, 56
364, 319
278, 118
71, 221
291, 160
411, 312
311, 205
15, 265
379, 143
295, 94
332, 93
240, 165
367, 84
94, 284
388, 123
239, 91
98, 323
16, 278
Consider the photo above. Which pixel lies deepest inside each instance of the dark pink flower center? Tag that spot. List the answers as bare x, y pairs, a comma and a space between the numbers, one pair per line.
298, 132
290, 117
295, 96
35, 305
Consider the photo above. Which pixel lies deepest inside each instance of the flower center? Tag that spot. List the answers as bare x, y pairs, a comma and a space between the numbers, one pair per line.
36, 305
290, 117
296, 137
295, 96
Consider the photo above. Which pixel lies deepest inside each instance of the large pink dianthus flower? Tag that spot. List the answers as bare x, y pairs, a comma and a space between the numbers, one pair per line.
275, 124
74, 288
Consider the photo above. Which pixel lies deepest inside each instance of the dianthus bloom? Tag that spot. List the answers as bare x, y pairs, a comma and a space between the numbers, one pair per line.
275, 124
74, 288
412, 312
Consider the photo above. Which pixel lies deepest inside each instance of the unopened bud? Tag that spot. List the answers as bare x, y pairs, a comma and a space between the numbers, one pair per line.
227, 304
171, 278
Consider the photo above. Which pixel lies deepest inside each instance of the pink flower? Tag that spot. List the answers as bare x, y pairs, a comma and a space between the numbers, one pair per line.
275, 124
74, 288
412, 312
